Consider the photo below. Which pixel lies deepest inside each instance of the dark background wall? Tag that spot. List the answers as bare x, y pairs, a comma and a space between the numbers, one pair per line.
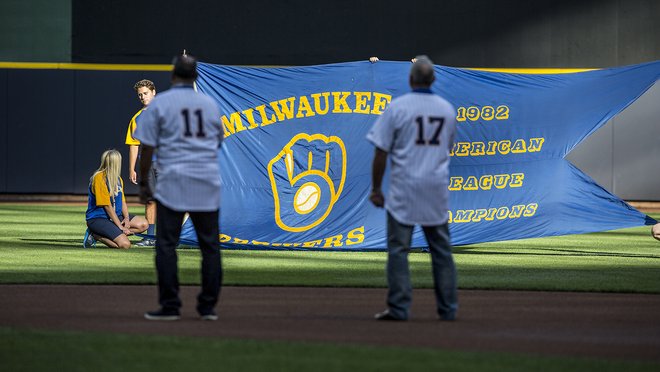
35, 30
54, 123
4, 126
461, 33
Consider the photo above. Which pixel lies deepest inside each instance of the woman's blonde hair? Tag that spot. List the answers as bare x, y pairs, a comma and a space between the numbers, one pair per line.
111, 169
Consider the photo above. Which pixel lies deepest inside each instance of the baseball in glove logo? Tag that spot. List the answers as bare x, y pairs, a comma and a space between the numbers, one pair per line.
307, 177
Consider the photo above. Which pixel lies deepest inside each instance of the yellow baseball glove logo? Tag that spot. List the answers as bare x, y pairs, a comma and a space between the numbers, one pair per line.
307, 177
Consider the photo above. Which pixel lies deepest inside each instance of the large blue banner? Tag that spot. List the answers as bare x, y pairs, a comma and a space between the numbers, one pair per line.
296, 167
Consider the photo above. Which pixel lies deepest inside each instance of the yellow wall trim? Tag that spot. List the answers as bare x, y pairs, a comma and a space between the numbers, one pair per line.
534, 70
136, 67
83, 66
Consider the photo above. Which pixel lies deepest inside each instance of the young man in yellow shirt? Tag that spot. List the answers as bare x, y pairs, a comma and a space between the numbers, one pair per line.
146, 90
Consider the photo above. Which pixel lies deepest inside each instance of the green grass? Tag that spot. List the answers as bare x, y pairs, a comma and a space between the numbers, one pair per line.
29, 350
42, 244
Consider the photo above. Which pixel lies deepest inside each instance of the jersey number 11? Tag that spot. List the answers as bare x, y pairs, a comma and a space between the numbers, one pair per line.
200, 123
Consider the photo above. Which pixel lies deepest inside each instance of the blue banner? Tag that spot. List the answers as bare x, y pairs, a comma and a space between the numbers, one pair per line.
296, 167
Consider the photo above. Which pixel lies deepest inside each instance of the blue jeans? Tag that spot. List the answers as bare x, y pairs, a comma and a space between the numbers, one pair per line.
399, 295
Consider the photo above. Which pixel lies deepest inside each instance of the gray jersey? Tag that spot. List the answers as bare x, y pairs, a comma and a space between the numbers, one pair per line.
417, 131
184, 127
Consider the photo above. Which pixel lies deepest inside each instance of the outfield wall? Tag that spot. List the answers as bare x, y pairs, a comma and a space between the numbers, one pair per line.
55, 123
467, 33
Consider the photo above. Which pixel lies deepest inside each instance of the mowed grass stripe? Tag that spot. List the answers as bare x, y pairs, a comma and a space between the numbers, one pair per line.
43, 244
34, 350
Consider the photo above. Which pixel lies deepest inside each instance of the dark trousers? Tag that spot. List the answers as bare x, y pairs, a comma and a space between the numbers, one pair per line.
167, 239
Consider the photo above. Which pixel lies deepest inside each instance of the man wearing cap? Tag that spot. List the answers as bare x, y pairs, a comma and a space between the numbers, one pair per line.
417, 132
184, 127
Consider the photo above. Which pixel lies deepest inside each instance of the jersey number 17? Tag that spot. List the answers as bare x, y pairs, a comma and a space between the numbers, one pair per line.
436, 125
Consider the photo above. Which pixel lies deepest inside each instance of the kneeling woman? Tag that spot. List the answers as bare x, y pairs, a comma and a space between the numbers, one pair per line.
107, 214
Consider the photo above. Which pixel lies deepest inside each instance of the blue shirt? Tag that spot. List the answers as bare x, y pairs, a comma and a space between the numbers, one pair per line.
99, 196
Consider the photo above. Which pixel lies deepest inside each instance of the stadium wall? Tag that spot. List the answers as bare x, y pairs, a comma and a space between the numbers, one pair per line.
57, 122
35, 30
54, 122
467, 33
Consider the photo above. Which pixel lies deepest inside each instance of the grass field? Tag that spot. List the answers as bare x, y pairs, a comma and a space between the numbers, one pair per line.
42, 244
77, 351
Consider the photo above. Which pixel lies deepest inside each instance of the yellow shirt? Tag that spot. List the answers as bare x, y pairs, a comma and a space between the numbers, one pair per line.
130, 140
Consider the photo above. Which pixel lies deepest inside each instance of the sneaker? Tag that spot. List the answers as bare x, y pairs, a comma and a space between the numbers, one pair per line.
88, 240
209, 316
146, 242
386, 315
162, 315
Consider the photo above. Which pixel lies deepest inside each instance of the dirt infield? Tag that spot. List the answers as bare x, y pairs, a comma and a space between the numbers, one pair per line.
549, 323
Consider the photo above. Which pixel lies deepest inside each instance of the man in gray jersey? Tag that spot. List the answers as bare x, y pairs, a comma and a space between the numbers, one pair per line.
417, 132
184, 127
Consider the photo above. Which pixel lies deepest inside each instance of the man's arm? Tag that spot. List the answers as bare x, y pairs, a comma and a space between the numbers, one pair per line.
146, 193
132, 161
377, 172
